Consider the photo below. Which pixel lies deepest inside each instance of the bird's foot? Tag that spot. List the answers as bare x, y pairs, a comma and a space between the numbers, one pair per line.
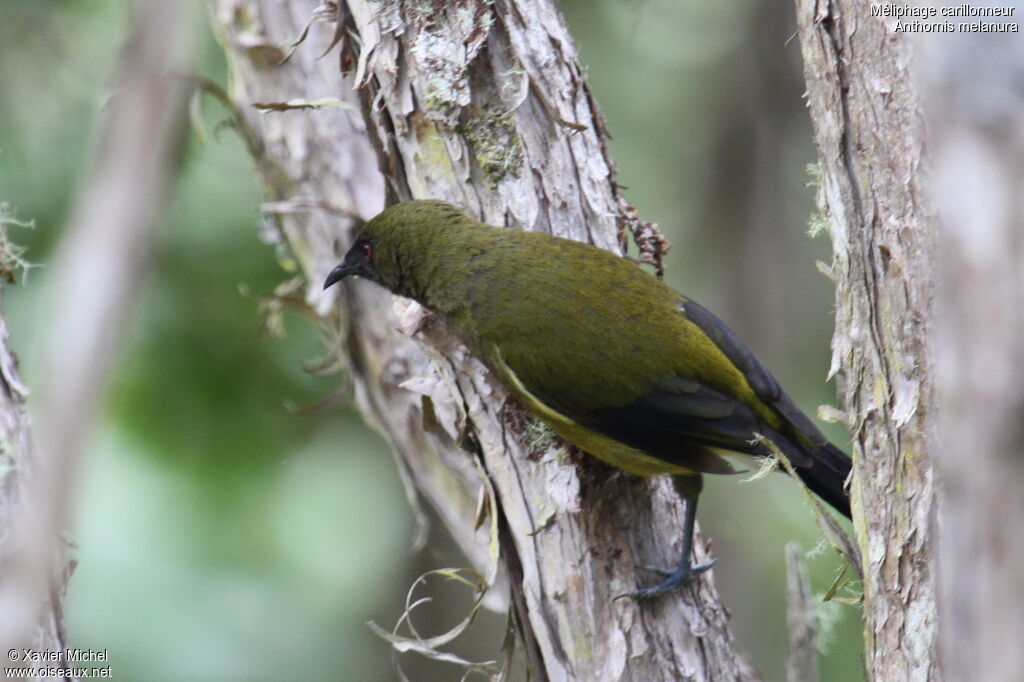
673, 580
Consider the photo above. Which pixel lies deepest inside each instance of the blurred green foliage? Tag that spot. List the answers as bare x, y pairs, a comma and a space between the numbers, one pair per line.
221, 536
224, 537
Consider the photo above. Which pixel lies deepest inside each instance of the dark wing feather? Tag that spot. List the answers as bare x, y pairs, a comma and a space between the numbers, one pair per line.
760, 379
665, 420
679, 417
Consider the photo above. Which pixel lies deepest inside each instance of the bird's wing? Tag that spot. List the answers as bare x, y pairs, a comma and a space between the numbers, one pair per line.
757, 375
671, 414
675, 413
688, 457
676, 410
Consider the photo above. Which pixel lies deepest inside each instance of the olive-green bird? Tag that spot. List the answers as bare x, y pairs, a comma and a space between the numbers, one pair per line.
604, 353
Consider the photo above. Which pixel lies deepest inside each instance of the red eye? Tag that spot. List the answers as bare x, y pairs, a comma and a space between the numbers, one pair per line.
367, 251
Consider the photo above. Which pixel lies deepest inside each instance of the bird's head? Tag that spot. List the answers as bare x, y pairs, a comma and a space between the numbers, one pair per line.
390, 248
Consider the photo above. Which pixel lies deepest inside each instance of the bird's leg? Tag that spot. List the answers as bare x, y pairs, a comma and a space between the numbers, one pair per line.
686, 569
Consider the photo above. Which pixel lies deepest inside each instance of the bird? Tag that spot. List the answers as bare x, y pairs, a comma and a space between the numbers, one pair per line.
611, 358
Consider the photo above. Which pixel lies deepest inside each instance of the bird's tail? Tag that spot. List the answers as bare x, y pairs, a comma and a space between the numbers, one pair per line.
826, 475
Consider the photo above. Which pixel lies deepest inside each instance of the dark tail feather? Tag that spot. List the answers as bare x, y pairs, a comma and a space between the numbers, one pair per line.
826, 475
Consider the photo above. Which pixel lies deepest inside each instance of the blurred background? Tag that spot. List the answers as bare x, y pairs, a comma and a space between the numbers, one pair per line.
223, 532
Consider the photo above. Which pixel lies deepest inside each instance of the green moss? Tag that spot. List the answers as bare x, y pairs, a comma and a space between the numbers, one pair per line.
496, 144
439, 100
538, 436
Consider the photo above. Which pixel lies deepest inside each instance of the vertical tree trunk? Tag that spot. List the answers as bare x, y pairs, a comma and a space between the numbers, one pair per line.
482, 104
33, 609
976, 101
869, 132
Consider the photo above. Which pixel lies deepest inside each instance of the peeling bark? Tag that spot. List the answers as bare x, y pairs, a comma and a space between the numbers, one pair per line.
484, 105
869, 132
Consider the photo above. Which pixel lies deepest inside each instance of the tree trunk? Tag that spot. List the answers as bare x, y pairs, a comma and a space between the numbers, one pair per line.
868, 129
976, 102
482, 104
33, 609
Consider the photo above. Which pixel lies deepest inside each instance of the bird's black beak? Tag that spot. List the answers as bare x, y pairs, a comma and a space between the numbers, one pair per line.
339, 273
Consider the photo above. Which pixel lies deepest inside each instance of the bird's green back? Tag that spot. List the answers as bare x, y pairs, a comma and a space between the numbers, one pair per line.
581, 327
585, 328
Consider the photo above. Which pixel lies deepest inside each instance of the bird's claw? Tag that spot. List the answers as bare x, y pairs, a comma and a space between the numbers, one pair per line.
673, 580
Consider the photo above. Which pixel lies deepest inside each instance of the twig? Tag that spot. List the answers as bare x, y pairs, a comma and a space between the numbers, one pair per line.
801, 621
